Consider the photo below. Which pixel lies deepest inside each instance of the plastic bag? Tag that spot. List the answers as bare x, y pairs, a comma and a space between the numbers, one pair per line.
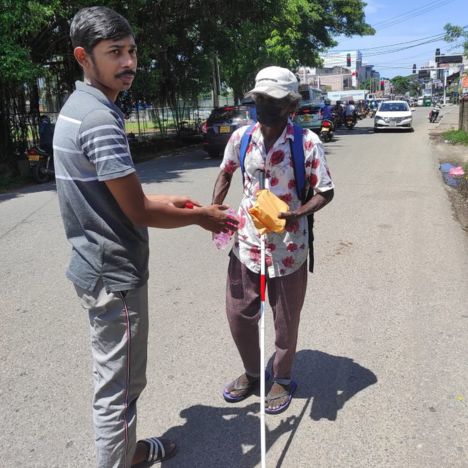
265, 212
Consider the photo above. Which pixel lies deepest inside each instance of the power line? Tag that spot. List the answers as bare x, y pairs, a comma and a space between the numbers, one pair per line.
397, 49
435, 36
411, 14
392, 18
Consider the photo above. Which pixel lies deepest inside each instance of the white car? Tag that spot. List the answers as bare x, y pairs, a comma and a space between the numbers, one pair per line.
393, 114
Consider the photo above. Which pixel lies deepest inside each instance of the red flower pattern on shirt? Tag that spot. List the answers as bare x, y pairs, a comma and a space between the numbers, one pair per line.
274, 181
292, 227
230, 167
277, 157
255, 254
288, 262
292, 247
287, 198
242, 221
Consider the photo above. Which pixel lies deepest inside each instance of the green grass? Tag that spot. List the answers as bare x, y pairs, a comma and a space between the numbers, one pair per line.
457, 137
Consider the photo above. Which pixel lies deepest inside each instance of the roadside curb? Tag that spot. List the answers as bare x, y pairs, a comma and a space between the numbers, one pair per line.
447, 121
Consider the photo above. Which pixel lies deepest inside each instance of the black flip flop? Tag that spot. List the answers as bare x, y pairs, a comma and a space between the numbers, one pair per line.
156, 452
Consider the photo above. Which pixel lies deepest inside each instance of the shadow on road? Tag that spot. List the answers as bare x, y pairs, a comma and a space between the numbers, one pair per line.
218, 436
360, 129
213, 437
170, 168
329, 380
160, 169
30, 187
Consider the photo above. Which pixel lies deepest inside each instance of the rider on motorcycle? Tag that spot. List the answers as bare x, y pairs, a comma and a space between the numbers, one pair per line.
327, 111
351, 111
434, 113
338, 111
46, 134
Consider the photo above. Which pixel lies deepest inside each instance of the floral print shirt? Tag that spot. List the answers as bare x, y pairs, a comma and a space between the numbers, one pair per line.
285, 252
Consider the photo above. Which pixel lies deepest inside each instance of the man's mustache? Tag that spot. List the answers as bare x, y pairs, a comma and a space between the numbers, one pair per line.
125, 73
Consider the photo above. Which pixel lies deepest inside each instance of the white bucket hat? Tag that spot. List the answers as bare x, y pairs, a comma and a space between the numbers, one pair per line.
275, 82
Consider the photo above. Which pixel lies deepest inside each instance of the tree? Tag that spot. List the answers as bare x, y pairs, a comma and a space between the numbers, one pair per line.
406, 84
293, 32
401, 84
21, 22
178, 42
454, 33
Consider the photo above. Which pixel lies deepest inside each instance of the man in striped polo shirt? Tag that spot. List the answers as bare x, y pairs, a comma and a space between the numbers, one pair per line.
106, 215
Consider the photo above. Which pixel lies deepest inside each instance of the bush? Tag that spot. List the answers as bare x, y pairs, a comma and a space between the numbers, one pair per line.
457, 137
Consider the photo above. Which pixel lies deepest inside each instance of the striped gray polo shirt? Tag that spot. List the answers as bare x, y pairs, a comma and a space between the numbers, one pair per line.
90, 147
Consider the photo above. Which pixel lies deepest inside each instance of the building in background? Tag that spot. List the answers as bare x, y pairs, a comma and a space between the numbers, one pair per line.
351, 60
327, 79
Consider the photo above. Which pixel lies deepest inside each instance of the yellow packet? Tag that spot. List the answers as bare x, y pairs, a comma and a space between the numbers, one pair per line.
265, 212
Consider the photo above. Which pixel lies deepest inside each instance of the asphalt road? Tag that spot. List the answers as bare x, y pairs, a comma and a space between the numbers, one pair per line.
381, 366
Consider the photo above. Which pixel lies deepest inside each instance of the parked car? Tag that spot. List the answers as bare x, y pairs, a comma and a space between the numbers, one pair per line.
309, 115
393, 114
221, 124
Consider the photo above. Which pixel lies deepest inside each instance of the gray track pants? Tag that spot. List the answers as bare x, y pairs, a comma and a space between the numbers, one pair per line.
119, 336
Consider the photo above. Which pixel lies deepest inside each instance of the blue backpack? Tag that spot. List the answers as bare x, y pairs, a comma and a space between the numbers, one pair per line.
297, 151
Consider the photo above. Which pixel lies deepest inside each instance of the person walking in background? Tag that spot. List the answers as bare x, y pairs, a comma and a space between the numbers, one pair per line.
106, 214
269, 157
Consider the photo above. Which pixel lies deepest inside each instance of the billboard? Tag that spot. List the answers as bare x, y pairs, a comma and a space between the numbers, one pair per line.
353, 94
424, 73
447, 59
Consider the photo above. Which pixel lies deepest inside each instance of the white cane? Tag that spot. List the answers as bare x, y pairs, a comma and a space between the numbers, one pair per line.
262, 349
262, 338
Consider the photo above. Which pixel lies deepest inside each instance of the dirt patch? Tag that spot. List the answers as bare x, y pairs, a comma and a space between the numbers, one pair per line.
456, 155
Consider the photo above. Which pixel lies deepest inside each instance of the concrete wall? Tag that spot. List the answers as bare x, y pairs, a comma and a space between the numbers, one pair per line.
463, 116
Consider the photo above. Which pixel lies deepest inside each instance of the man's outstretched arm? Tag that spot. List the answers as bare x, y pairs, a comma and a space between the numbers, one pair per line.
165, 211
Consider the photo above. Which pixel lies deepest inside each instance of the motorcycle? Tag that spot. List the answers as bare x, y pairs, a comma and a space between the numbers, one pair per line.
433, 115
41, 163
326, 130
350, 122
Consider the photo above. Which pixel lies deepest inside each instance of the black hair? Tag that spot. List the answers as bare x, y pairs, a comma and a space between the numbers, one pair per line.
94, 24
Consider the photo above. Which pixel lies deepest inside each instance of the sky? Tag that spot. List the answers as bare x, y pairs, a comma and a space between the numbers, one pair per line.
400, 22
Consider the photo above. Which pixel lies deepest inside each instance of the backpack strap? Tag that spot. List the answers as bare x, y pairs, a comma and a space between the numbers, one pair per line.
244, 144
297, 151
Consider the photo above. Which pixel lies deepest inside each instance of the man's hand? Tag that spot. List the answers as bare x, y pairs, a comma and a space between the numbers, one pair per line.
213, 218
289, 216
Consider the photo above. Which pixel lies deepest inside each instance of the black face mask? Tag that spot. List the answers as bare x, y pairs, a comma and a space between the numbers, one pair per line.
269, 114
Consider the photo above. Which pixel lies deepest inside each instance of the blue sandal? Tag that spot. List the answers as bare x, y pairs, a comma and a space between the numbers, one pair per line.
243, 390
288, 392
